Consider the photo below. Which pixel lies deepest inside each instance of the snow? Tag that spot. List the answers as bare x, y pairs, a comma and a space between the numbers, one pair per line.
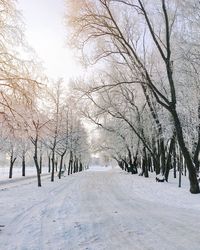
18, 179
17, 172
99, 168
98, 210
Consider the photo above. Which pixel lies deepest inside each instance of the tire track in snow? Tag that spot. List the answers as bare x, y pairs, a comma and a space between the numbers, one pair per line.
52, 216
31, 216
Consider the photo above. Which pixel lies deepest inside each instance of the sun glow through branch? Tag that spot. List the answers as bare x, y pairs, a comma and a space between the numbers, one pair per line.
46, 33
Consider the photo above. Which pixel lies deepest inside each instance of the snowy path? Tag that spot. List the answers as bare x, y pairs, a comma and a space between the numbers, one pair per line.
94, 211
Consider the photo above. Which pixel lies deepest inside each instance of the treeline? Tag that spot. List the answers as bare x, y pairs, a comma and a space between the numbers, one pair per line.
38, 118
145, 96
136, 159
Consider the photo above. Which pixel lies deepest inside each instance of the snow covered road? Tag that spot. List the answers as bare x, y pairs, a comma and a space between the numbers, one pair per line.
95, 210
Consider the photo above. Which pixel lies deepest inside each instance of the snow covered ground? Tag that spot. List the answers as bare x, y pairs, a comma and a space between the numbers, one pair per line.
18, 179
17, 172
99, 168
97, 210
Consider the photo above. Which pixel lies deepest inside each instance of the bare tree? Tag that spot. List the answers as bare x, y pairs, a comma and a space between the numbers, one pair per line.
124, 37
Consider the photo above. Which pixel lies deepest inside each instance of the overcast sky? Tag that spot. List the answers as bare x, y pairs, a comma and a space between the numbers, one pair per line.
46, 33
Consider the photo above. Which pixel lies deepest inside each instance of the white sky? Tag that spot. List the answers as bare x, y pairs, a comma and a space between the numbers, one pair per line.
47, 35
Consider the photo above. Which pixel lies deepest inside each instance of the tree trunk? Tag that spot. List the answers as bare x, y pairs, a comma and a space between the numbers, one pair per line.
23, 165
77, 161
53, 165
121, 164
74, 165
52, 168
146, 173
197, 151
135, 163
174, 160
35, 157
12, 161
126, 168
169, 158
60, 168
61, 164
70, 163
49, 164
196, 154
194, 185
69, 168
130, 161
161, 145
38, 170
80, 167
56, 164
185, 167
40, 163
156, 163
179, 177
162, 154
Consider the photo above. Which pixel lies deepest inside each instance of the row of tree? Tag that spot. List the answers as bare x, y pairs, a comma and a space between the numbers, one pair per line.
145, 94
38, 120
